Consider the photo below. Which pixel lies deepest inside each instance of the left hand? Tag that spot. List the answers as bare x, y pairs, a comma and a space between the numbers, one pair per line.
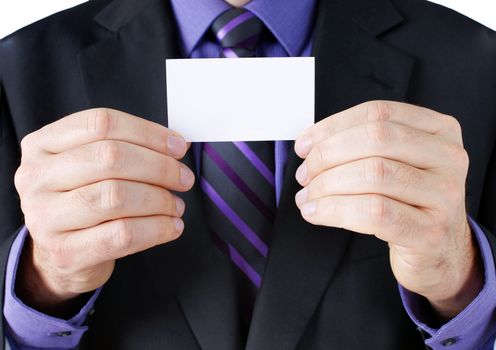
396, 171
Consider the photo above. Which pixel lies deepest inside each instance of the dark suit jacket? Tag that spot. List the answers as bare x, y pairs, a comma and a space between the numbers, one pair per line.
324, 288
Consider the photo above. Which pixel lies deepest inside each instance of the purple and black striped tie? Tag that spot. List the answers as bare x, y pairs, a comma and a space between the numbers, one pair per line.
238, 177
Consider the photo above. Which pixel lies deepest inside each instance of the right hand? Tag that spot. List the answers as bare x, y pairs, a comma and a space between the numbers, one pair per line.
95, 187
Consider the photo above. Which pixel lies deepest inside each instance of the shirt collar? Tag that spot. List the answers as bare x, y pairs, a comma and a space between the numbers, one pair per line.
289, 20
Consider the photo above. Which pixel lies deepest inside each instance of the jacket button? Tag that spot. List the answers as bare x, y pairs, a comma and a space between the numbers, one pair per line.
449, 342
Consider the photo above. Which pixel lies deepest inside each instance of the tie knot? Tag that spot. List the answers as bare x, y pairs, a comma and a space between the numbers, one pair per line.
238, 32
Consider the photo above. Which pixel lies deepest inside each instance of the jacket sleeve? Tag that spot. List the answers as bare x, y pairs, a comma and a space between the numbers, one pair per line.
19, 322
10, 212
487, 217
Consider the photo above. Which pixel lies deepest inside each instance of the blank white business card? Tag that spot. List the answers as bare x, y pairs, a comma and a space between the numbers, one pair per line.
240, 99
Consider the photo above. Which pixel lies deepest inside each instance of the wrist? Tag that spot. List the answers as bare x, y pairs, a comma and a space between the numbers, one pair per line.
463, 284
36, 289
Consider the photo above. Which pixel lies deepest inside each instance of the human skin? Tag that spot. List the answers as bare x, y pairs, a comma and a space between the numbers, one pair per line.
398, 172
94, 187
237, 3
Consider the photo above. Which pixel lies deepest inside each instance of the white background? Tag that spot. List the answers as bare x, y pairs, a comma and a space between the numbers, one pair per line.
15, 14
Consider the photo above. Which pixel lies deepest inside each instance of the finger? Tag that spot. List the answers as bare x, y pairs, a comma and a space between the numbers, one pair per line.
103, 160
383, 217
386, 177
422, 119
106, 124
109, 200
116, 239
380, 139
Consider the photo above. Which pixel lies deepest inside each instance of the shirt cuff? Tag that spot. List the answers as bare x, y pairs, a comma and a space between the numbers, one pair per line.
31, 328
471, 328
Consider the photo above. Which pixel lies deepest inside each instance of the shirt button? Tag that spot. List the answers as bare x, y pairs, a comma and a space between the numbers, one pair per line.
64, 334
449, 342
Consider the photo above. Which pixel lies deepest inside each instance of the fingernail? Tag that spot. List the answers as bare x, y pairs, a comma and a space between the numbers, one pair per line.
186, 177
303, 146
180, 206
309, 208
179, 224
176, 145
301, 174
301, 197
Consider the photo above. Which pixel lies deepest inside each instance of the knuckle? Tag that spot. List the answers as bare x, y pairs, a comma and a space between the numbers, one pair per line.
452, 124
376, 171
21, 179
458, 156
148, 137
147, 197
109, 155
378, 111
18, 179
319, 159
463, 159
122, 237
167, 166
112, 195
26, 176
171, 169
174, 204
377, 133
108, 195
378, 209
162, 167
27, 143
98, 123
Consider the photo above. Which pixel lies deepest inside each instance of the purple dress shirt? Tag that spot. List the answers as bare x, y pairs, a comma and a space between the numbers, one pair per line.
291, 22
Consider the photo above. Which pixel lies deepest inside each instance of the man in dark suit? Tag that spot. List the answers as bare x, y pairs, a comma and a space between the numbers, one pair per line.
375, 194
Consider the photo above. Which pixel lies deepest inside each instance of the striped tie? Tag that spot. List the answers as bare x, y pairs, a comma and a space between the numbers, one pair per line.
238, 178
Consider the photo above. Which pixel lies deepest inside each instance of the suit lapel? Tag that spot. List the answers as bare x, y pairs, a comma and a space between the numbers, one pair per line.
354, 63
352, 66
125, 70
